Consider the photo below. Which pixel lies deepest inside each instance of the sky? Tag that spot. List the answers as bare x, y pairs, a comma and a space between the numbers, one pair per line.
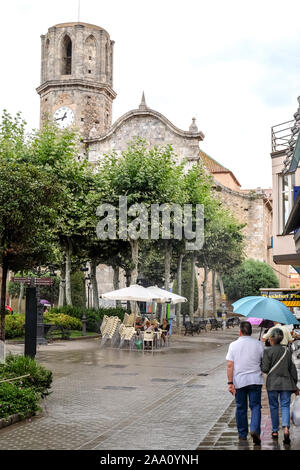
234, 66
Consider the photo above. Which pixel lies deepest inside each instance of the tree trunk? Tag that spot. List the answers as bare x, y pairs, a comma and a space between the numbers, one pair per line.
192, 287
93, 265
214, 293
21, 295
68, 274
206, 271
179, 288
61, 295
220, 284
3, 299
128, 278
134, 272
135, 259
116, 282
168, 252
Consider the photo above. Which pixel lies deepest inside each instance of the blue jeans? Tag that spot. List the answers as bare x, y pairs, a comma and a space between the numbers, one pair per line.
285, 401
241, 400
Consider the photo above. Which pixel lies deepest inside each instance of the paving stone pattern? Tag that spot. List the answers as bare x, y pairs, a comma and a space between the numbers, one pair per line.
111, 399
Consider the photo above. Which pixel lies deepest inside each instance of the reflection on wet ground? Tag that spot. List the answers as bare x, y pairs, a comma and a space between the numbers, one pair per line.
108, 398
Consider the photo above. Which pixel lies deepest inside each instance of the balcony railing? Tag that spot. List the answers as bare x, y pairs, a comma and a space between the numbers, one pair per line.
280, 135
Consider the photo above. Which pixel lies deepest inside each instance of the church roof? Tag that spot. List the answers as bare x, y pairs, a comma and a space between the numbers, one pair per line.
65, 25
215, 167
143, 110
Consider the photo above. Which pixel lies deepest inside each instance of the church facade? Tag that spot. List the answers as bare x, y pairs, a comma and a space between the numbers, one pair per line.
77, 89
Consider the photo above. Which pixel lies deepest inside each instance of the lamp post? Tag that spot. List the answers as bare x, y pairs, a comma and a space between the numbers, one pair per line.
84, 269
52, 274
40, 339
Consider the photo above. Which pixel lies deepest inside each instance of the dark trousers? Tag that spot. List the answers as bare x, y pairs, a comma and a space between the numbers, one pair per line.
253, 394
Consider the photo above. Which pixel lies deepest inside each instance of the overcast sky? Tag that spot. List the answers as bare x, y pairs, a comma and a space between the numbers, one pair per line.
234, 65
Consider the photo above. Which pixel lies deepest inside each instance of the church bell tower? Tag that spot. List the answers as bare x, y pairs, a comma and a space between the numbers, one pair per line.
77, 77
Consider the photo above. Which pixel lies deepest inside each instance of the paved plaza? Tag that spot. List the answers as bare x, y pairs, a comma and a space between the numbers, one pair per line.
107, 399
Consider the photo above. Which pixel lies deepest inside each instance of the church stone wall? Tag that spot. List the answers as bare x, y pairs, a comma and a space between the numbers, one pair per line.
149, 128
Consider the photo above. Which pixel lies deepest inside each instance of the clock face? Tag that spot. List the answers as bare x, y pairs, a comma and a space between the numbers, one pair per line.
64, 117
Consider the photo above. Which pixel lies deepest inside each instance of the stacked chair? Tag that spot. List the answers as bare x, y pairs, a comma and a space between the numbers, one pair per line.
127, 333
110, 330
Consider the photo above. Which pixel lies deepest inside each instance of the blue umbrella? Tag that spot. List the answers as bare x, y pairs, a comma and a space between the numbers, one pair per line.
265, 307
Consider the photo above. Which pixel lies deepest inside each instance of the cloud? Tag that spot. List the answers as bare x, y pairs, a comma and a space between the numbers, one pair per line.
233, 65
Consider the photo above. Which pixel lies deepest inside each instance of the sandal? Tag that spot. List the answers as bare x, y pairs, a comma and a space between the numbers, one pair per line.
286, 438
275, 435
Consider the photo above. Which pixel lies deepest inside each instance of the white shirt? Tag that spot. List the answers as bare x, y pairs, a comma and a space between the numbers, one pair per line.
287, 337
246, 354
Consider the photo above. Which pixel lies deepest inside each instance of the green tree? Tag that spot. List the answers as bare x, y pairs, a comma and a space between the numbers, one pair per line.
30, 199
248, 278
145, 176
223, 248
60, 154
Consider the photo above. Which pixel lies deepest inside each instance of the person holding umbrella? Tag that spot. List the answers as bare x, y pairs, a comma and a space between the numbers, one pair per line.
245, 381
286, 337
281, 382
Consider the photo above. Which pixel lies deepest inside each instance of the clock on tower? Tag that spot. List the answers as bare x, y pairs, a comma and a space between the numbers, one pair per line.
77, 77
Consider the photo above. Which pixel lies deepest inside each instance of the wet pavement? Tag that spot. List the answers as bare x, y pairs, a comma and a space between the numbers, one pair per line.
109, 399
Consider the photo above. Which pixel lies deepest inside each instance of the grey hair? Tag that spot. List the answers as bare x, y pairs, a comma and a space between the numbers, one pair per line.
277, 335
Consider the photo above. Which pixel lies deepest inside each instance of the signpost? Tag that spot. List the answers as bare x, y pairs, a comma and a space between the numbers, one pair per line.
34, 318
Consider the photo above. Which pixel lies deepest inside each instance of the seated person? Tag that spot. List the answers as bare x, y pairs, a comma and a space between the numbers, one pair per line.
147, 327
138, 324
166, 328
287, 337
155, 325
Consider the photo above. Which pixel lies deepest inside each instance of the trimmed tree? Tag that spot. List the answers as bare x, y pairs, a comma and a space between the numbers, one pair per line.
248, 278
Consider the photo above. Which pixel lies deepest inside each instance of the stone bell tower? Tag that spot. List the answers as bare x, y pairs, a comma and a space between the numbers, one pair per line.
77, 77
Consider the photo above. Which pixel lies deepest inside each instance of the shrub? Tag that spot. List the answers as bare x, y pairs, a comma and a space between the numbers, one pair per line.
14, 325
17, 400
93, 317
40, 378
64, 320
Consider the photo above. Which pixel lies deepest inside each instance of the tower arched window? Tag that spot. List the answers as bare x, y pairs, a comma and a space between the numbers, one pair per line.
66, 56
90, 55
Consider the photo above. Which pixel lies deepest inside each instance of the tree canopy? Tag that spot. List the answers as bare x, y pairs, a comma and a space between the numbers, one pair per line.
248, 278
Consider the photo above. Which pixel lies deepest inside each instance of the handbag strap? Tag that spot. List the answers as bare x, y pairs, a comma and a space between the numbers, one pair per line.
278, 362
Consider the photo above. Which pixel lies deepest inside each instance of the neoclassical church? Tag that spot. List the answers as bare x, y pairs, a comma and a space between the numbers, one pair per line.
77, 89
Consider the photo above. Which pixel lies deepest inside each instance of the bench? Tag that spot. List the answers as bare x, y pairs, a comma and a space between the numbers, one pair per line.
215, 324
191, 328
49, 328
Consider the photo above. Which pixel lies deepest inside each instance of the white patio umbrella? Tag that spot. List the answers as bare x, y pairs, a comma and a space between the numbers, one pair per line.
164, 296
134, 293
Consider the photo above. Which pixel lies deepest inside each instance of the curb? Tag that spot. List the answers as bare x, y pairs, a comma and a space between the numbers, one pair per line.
58, 339
4, 422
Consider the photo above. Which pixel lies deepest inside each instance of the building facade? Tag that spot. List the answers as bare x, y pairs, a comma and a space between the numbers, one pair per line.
286, 185
76, 89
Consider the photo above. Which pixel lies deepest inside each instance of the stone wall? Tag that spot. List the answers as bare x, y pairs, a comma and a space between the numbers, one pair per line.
151, 126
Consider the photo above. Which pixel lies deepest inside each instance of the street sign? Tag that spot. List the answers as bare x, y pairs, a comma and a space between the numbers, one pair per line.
25, 280
37, 281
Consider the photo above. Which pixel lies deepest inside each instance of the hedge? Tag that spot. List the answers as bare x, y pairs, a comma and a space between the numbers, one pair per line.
14, 323
93, 317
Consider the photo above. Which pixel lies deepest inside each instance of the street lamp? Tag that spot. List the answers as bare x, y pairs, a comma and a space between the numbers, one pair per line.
84, 269
52, 274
